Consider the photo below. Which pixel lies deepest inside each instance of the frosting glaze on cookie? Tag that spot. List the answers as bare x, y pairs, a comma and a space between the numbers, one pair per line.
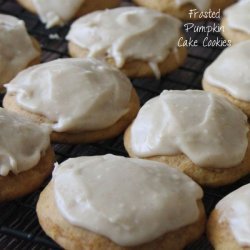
235, 210
231, 71
21, 143
56, 12
75, 94
16, 48
127, 33
130, 201
202, 5
238, 16
203, 126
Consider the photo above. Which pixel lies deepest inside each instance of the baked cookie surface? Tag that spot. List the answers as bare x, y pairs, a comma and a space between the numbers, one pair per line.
194, 138
99, 103
139, 41
64, 223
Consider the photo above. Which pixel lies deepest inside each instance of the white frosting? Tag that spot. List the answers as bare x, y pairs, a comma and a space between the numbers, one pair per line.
16, 48
203, 126
130, 201
238, 16
202, 5
56, 12
235, 210
75, 94
127, 33
231, 71
21, 143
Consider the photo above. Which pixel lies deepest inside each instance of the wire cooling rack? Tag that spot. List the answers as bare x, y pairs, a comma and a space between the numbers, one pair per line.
19, 227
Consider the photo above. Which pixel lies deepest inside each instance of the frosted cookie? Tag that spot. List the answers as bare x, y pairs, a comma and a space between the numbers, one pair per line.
236, 22
229, 75
229, 223
181, 8
17, 49
58, 12
139, 41
83, 100
200, 133
117, 203
26, 157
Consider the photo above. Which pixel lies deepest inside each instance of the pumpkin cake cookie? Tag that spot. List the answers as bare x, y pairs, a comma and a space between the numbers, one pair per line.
139, 41
229, 76
83, 100
229, 223
116, 203
26, 157
17, 49
236, 22
200, 133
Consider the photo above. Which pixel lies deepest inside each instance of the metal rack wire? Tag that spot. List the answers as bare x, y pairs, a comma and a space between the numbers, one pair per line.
19, 227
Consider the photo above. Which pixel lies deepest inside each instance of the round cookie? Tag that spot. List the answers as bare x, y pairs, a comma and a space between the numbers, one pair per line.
236, 22
120, 231
53, 13
123, 37
99, 103
18, 49
200, 140
228, 226
181, 8
26, 156
235, 84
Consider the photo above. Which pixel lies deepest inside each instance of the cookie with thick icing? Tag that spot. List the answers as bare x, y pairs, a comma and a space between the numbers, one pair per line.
111, 202
26, 155
199, 133
17, 49
139, 41
236, 22
229, 76
83, 100
229, 225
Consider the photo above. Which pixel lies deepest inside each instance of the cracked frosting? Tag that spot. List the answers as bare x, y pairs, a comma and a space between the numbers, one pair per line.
127, 33
202, 5
16, 48
74, 94
56, 12
94, 193
238, 16
235, 210
208, 129
21, 143
231, 71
